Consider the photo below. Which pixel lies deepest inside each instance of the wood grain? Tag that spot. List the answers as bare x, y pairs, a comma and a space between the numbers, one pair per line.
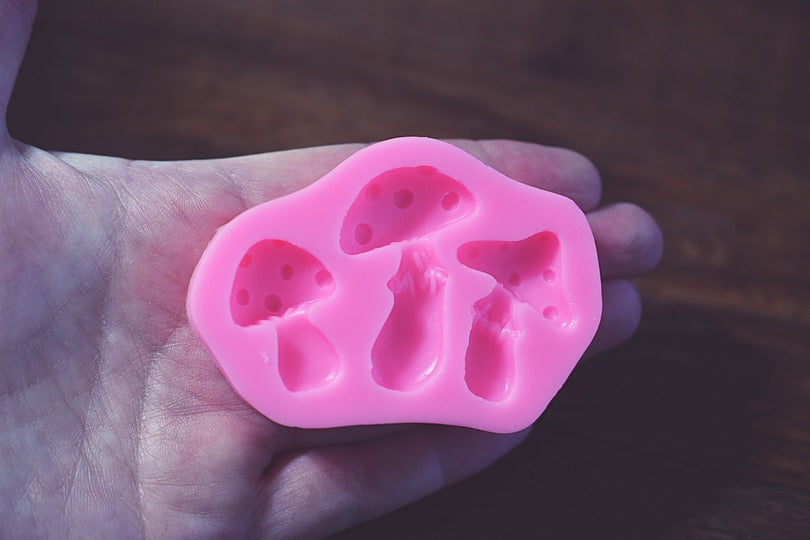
698, 111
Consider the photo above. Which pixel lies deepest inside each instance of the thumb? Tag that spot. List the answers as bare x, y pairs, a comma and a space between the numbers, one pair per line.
16, 18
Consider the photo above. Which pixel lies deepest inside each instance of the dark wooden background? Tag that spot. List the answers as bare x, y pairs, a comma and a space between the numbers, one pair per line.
697, 110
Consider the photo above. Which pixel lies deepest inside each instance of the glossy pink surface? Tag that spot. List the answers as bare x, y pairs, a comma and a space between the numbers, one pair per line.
412, 283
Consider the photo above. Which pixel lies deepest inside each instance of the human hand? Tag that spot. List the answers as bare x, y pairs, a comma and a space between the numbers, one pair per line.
114, 419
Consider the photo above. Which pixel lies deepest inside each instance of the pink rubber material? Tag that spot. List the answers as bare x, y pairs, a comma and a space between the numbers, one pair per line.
412, 283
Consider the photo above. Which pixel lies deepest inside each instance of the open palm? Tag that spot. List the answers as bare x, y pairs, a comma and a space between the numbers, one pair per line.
114, 419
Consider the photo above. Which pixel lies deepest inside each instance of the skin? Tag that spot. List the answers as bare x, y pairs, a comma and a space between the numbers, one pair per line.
114, 420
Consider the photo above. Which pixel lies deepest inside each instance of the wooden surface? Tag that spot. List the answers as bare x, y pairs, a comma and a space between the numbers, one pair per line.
699, 111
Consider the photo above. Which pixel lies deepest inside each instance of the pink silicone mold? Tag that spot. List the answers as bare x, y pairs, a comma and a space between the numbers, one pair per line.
412, 283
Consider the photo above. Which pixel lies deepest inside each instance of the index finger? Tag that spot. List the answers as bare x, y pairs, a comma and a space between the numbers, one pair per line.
554, 169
